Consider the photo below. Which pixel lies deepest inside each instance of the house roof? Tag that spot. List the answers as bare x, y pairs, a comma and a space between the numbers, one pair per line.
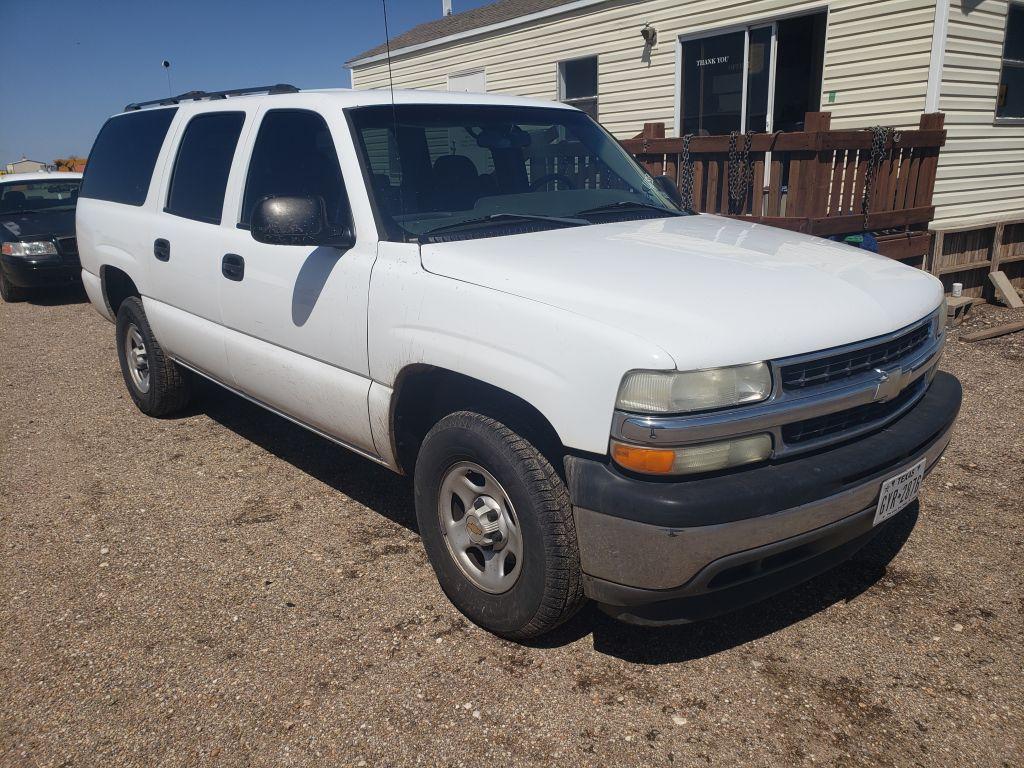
461, 23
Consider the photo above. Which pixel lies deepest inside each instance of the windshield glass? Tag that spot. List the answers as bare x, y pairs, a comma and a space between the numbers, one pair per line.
468, 170
42, 195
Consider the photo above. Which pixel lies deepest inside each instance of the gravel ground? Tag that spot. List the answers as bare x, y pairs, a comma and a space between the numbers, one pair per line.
226, 589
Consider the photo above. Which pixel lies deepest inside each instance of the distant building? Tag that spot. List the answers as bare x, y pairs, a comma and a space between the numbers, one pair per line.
27, 166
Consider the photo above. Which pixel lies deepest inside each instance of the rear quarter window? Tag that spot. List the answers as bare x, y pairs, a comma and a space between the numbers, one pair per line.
121, 163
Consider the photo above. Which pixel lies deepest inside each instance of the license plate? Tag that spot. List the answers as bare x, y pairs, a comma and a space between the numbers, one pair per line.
897, 492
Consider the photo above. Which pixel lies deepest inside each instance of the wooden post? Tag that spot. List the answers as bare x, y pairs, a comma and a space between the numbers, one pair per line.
808, 193
936, 262
932, 121
997, 247
653, 131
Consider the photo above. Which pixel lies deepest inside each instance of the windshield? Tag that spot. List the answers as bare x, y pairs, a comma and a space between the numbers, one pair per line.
442, 172
42, 195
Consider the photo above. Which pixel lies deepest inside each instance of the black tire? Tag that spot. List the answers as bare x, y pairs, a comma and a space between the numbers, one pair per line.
170, 386
10, 293
548, 589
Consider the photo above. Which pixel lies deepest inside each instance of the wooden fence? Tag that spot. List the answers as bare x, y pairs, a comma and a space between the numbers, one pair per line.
814, 181
968, 254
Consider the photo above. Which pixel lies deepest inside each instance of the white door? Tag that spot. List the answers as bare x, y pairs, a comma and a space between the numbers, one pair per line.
185, 270
297, 314
468, 82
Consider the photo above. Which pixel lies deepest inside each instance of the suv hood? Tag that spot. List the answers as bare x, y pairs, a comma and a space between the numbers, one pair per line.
708, 290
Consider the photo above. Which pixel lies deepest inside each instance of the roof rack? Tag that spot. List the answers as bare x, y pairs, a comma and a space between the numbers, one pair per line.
200, 95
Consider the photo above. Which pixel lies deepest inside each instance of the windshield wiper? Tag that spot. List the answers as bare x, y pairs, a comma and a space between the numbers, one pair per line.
560, 221
626, 205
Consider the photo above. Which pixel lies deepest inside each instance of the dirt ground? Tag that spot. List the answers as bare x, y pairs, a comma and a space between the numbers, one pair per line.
226, 589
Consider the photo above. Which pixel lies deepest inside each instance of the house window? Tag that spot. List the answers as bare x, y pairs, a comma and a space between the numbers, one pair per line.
760, 78
1010, 101
577, 84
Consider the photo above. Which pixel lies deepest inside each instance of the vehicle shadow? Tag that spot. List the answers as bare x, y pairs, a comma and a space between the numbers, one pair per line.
673, 644
360, 479
55, 297
391, 495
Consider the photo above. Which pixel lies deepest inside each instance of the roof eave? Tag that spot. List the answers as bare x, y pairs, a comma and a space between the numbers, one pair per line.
568, 7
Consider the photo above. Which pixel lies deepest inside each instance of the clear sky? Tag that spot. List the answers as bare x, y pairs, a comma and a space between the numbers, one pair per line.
69, 64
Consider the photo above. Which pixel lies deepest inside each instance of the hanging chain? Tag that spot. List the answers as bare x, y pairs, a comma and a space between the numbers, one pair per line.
686, 175
740, 172
879, 140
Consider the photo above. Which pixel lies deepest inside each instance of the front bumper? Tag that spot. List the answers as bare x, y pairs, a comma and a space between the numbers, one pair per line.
655, 551
25, 273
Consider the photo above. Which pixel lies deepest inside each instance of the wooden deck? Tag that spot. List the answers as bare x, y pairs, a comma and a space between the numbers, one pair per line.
819, 181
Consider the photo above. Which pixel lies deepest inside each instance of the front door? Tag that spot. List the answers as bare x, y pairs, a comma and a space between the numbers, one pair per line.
297, 314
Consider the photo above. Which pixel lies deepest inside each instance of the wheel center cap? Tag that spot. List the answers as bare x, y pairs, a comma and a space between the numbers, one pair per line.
485, 523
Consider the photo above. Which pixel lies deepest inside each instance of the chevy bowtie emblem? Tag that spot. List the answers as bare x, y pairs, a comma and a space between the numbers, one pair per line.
890, 383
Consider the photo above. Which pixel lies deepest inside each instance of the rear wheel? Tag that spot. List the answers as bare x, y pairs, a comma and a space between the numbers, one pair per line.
9, 292
156, 383
497, 525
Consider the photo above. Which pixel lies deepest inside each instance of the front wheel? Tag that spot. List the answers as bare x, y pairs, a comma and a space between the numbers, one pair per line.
8, 291
156, 383
497, 526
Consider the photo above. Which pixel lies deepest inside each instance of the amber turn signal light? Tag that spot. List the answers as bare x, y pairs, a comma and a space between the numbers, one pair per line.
650, 461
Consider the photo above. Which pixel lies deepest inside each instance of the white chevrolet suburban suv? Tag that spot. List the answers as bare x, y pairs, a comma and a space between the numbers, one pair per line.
597, 394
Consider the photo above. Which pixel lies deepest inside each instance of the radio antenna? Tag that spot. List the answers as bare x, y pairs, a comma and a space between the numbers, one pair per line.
391, 85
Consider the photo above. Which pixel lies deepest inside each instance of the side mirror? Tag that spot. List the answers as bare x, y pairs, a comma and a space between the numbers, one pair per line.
666, 185
286, 220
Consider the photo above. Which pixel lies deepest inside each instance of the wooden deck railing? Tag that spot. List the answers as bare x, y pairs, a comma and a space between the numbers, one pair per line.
817, 181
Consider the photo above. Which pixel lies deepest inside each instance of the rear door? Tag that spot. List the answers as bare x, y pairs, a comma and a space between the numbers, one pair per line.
297, 314
189, 240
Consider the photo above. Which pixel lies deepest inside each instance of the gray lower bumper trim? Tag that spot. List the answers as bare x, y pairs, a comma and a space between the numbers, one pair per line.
659, 558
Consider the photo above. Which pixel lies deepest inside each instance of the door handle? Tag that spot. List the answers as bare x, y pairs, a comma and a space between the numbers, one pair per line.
232, 266
162, 249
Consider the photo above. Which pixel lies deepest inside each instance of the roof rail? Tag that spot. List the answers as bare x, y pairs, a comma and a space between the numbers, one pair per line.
200, 95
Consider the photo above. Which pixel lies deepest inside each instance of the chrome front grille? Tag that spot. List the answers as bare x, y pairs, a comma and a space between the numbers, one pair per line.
817, 400
842, 422
832, 368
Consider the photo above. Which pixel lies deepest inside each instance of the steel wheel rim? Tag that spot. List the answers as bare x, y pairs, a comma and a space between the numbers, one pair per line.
480, 527
137, 358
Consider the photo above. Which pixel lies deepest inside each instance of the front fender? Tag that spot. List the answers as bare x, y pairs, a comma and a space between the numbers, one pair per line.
565, 365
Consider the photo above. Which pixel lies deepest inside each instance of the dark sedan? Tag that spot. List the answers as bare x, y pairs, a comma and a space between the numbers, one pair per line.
37, 232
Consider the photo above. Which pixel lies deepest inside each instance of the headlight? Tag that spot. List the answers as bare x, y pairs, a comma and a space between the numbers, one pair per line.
30, 250
690, 459
685, 391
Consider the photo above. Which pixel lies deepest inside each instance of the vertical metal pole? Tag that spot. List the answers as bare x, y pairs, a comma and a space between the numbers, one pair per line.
746, 65
769, 123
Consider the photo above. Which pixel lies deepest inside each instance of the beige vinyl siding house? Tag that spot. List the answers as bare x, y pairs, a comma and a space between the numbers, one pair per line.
981, 168
879, 57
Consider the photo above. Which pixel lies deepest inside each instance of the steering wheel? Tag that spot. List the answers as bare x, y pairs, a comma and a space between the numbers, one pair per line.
547, 178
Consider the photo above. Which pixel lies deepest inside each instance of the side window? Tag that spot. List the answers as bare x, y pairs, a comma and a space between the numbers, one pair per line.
201, 169
121, 162
294, 155
577, 84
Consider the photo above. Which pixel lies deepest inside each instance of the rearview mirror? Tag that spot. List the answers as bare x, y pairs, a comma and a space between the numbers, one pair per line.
287, 220
666, 185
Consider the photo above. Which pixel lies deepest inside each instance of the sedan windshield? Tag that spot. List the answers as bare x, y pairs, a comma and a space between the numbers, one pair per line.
34, 196
443, 172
